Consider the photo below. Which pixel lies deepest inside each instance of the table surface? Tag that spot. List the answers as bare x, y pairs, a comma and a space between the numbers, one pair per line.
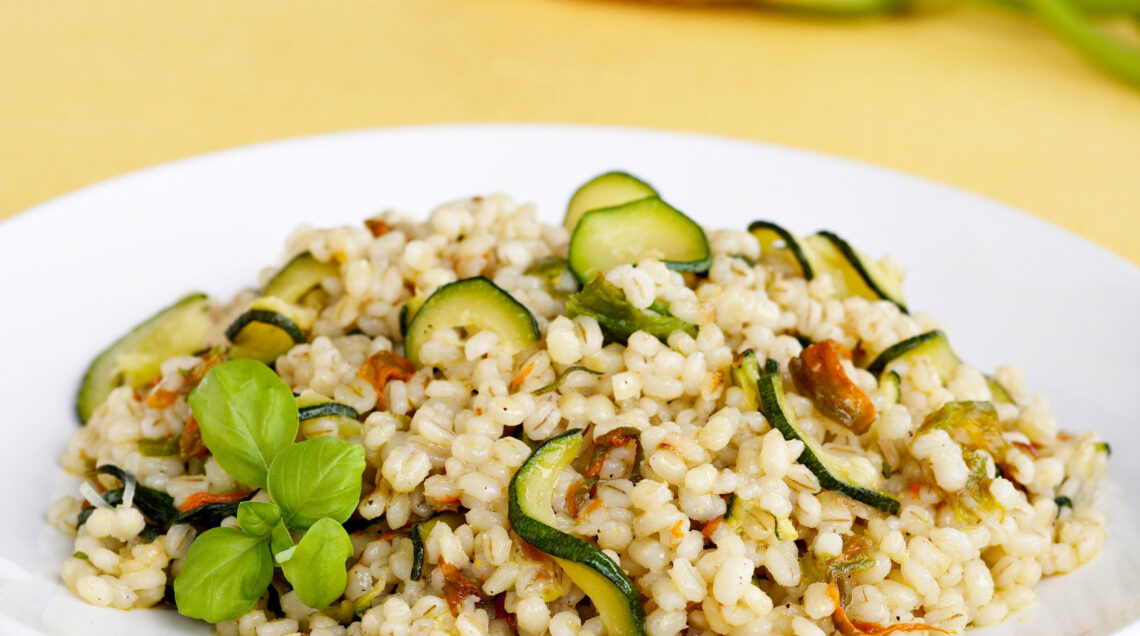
974, 96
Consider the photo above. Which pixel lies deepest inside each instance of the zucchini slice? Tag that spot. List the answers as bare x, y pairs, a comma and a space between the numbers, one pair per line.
833, 473
419, 535
754, 521
891, 385
472, 303
997, 391
746, 375
605, 191
312, 405
298, 277
134, 359
646, 228
269, 329
531, 516
408, 311
771, 235
932, 345
935, 347
852, 273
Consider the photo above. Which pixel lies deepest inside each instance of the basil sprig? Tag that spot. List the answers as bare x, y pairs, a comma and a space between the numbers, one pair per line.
247, 415
248, 418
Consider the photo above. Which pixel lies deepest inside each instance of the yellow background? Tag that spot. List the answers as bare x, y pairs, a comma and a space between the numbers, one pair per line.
973, 96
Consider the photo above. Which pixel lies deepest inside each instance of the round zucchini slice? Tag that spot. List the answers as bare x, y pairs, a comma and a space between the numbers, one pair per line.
298, 277
605, 191
474, 304
134, 359
773, 237
933, 345
312, 405
646, 228
269, 329
532, 518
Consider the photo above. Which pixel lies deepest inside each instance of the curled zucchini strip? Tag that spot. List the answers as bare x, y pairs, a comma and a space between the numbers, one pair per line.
833, 473
532, 518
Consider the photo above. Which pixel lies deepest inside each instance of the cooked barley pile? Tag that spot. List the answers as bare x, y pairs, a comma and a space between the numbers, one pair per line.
450, 435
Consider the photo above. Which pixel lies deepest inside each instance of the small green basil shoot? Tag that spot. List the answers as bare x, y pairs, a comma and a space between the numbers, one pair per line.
315, 479
247, 415
224, 574
258, 518
316, 566
249, 420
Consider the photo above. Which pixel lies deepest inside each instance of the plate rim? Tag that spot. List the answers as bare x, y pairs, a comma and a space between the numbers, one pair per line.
59, 201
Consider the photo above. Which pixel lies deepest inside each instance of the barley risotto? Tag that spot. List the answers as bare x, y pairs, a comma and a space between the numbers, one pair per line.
624, 424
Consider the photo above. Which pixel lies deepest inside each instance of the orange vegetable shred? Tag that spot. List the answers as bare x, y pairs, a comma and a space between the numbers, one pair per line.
818, 373
199, 499
160, 398
377, 227
586, 487
846, 627
521, 377
456, 587
191, 444
382, 367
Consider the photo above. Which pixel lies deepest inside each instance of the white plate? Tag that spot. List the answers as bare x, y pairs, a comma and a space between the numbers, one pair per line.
78, 271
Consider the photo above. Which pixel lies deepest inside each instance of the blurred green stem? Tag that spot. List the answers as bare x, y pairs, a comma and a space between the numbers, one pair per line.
1105, 7
1113, 55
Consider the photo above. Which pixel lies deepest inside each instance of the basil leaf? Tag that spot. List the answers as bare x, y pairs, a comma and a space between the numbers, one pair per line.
224, 574
316, 568
257, 518
315, 479
281, 542
247, 415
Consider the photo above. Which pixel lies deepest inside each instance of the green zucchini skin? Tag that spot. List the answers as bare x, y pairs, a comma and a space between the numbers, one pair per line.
999, 393
472, 302
264, 316
264, 335
605, 191
932, 344
617, 600
326, 409
632, 231
763, 230
419, 535
134, 358
746, 375
777, 413
298, 277
867, 271
892, 386
935, 346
